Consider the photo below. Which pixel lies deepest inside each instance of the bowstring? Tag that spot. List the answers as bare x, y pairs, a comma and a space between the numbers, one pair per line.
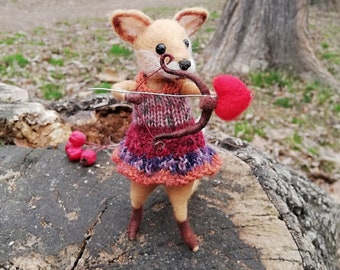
137, 107
151, 93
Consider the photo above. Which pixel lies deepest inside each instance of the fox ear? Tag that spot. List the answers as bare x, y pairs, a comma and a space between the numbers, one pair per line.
128, 24
191, 19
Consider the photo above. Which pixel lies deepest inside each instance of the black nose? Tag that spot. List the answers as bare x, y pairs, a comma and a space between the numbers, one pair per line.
184, 64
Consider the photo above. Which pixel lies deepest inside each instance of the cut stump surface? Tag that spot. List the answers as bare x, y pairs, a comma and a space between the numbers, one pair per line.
55, 213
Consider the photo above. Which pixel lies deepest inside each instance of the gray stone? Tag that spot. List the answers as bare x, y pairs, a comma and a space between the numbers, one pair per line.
12, 94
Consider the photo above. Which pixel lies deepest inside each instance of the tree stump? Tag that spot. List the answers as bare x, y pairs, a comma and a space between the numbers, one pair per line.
255, 214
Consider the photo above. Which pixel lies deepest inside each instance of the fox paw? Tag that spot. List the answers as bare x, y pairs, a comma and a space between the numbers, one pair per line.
135, 220
188, 235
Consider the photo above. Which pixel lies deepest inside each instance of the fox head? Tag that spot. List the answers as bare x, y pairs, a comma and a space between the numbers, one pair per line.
151, 39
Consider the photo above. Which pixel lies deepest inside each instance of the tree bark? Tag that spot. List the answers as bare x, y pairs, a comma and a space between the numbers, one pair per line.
311, 216
257, 35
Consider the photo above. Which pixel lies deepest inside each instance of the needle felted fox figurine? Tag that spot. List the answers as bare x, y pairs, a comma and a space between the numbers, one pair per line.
176, 163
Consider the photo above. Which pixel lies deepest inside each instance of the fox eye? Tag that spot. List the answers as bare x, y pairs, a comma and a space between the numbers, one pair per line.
186, 42
160, 48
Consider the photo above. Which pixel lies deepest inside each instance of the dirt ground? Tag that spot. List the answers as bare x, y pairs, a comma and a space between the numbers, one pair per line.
19, 15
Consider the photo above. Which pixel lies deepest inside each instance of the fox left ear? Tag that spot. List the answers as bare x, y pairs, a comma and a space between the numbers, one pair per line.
191, 19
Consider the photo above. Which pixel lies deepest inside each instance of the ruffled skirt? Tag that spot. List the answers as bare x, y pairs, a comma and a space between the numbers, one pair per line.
171, 162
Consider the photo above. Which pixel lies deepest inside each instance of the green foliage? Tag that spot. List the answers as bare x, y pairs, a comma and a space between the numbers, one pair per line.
270, 78
242, 129
56, 62
260, 132
195, 45
10, 40
39, 31
57, 76
284, 102
324, 45
12, 59
318, 91
51, 91
328, 166
119, 50
69, 54
102, 85
307, 95
298, 121
246, 131
214, 15
210, 29
324, 95
64, 23
329, 55
337, 108
295, 141
37, 43
313, 151
332, 57
100, 38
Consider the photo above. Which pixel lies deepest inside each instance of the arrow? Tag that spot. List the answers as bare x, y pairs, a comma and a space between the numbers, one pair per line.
150, 93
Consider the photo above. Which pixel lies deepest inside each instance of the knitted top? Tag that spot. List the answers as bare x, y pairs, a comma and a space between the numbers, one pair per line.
170, 162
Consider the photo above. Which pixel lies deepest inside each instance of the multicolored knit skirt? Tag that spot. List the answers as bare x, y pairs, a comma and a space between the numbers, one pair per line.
170, 162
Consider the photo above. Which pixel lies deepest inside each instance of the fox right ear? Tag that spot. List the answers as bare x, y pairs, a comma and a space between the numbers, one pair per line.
128, 24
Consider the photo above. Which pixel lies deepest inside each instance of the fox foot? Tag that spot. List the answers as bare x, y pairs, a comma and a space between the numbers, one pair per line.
188, 235
135, 220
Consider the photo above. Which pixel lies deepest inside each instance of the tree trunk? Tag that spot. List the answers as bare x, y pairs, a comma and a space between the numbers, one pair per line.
256, 35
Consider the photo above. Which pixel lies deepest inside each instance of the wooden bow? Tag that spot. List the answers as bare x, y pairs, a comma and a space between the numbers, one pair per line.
207, 103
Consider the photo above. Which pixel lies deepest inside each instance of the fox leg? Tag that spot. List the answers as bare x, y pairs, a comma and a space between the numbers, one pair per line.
179, 197
138, 194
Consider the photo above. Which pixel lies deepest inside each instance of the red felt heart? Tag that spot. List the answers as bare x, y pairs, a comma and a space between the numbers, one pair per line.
233, 96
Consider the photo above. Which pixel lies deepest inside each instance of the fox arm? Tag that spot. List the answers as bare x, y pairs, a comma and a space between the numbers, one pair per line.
128, 85
188, 87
